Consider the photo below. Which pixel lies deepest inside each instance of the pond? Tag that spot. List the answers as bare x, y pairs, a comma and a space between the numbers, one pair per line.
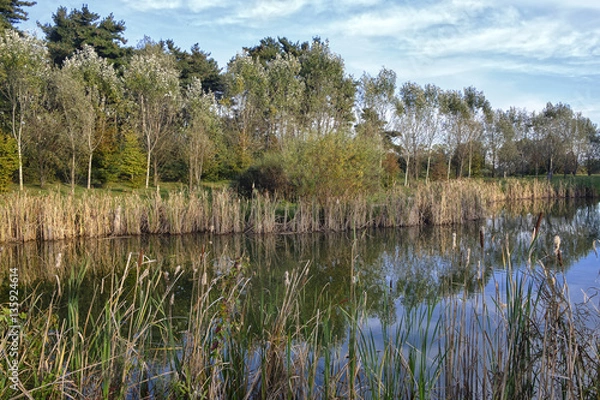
423, 312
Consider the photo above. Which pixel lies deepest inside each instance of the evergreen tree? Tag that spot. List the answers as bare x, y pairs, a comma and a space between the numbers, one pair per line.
11, 13
72, 30
197, 64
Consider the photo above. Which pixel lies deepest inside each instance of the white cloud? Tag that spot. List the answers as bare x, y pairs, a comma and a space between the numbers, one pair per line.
147, 5
270, 9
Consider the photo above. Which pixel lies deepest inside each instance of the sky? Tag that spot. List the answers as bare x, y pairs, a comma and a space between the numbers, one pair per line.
519, 53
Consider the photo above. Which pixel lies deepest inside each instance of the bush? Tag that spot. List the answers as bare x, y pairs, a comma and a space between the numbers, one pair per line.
267, 176
334, 165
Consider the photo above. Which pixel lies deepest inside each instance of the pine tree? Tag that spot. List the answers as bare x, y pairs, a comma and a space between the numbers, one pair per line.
11, 13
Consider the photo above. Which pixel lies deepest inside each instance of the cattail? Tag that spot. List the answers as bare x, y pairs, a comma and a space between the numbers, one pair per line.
204, 279
481, 236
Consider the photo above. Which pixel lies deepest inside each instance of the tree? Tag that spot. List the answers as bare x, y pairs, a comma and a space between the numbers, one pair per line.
247, 98
328, 100
284, 93
376, 102
334, 165
152, 83
554, 135
77, 116
72, 30
432, 122
197, 64
465, 114
591, 150
11, 13
101, 92
44, 145
410, 122
130, 162
270, 48
23, 72
201, 128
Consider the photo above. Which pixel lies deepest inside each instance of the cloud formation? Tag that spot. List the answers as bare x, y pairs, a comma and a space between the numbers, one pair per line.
555, 43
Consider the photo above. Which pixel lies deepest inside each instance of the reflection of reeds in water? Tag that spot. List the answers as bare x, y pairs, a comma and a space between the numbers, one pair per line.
524, 340
54, 216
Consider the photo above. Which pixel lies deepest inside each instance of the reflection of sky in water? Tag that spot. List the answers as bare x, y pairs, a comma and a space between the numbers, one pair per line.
583, 278
403, 266
395, 269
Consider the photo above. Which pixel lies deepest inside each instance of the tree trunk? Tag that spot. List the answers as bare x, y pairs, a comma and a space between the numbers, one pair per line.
89, 177
406, 171
428, 168
73, 172
147, 169
20, 155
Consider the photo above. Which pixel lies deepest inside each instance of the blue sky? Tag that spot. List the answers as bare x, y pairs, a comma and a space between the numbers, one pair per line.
521, 53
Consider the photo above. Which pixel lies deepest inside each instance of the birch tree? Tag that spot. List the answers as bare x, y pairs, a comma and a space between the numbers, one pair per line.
101, 92
23, 72
152, 84
201, 126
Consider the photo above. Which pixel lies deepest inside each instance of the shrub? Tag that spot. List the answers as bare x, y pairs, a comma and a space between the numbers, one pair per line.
334, 165
267, 176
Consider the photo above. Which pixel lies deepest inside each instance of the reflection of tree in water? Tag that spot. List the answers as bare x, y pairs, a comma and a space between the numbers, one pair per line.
407, 265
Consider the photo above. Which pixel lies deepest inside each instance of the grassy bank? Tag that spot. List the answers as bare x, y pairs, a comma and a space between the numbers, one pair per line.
55, 215
525, 340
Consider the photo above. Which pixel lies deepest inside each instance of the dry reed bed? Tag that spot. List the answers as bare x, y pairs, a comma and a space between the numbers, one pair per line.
25, 217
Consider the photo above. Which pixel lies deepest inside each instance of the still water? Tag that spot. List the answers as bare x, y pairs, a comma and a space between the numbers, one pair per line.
398, 267
366, 283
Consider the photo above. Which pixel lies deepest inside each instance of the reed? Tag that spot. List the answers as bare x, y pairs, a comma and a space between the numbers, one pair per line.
56, 216
526, 339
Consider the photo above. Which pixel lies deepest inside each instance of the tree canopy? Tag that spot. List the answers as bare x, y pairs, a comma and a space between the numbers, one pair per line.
12, 13
72, 30
81, 107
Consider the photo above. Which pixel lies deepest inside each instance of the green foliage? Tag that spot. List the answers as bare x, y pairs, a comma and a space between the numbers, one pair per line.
9, 161
72, 30
11, 12
334, 165
132, 160
197, 64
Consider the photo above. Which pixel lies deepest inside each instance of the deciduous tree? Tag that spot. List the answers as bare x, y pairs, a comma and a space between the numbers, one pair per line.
102, 93
152, 84
201, 130
23, 73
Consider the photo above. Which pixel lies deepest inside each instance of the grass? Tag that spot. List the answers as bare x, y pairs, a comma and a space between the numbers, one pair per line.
525, 339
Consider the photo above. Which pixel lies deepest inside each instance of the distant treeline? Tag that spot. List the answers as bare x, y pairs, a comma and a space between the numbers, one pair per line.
283, 117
